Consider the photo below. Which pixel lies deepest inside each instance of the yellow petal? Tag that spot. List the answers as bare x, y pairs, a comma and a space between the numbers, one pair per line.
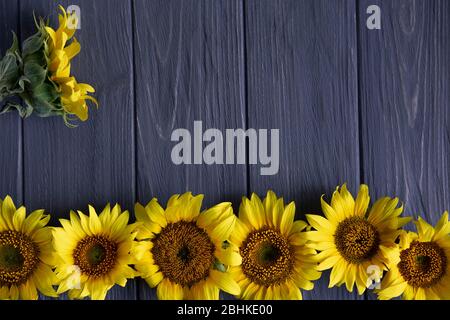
339, 204
85, 223
28, 291
34, 220
73, 49
392, 291
337, 273
259, 208
248, 214
330, 213
225, 282
350, 277
19, 218
193, 208
269, 204
228, 257
302, 282
169, 291
8, 210
94, 222
362, 201
97, 290
425, 230
298, 226
239, 233
223, 230
154, 279
329, 262
321, 224
156, 212
287, 219
348, 201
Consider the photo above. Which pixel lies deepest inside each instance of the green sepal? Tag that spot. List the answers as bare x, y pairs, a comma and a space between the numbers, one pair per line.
10, 66
35, 73
24, 111
32, 44
219, 266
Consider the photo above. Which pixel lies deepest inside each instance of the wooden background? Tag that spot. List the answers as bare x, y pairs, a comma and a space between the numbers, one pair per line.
352, 105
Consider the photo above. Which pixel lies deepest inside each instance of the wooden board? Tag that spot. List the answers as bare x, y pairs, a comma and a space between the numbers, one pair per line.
190, 66
10, 124
352, 105
94, 163
405, 104
301, 76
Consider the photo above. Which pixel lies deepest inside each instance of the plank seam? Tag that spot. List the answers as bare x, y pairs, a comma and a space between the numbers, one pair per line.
359, 99
134, 144
21, 147
246, 85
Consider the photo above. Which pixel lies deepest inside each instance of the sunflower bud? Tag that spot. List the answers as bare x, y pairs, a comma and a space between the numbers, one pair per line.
36, 77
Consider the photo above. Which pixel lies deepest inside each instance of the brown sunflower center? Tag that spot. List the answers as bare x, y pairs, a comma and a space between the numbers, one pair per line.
95, 255
19, 256
184, 253
267, 257
423, 264
356, 239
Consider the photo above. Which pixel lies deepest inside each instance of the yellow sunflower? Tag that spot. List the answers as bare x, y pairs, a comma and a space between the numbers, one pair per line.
276, 263
94, 252
420, 267
353, 243
26, 253
183, 252
63, 47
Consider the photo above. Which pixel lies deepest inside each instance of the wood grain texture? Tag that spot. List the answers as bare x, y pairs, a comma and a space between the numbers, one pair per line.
94, 163
302, 68
405, 104
405, 108
352, 105
10, 124
189, 57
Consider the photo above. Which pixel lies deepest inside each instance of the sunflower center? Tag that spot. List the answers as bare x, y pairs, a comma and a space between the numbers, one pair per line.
423, 264
19, 256
95, 255
356, 239
184, 253
267, 257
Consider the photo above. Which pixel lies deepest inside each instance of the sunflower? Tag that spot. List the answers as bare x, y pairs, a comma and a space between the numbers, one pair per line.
94, 252
26, 253
276, 263
183, 252
352, 242
420, 267
62, 48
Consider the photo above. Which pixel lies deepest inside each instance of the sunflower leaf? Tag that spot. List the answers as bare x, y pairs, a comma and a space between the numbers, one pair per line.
24, 111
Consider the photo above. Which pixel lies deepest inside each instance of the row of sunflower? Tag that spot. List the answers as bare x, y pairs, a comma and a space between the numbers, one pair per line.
187, 253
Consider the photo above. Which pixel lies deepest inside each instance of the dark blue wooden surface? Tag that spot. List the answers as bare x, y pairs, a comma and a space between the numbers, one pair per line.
352, 105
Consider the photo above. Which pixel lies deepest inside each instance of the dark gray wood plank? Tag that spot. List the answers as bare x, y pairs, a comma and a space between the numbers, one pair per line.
189, 66
405, 73
404, 85
10, 124
302, 79
94, 163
